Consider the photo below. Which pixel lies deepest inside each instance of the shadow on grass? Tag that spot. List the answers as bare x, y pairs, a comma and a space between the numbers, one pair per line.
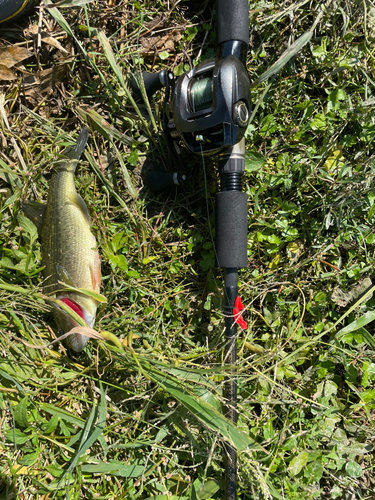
7, 488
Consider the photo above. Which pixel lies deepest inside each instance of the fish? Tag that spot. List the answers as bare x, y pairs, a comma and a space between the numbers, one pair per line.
69, 249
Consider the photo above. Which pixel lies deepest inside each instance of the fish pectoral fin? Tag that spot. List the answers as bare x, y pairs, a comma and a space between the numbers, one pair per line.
64, 276
34, 210
75, 199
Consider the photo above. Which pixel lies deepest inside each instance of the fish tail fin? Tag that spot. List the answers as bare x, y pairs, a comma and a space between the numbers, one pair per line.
74, 152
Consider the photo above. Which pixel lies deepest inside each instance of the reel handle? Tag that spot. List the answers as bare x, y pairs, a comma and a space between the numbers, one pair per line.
158, 181
152, 81
232, 21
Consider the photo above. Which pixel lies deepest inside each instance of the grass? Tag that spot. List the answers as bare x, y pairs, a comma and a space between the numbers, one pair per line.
142, 418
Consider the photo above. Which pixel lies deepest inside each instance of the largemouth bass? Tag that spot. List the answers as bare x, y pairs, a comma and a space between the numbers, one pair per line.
69, 249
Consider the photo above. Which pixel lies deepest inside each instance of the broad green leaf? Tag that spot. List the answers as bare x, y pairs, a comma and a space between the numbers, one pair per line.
16, 436
330, 388
30, 458
298, 463
207, 489
355, 449
353, 469
368, 396
164, 55
52, 424
335, 97
55, 471
336, 492
314, 470
28, 227
368, 370
9, 176
10, 378
20, 413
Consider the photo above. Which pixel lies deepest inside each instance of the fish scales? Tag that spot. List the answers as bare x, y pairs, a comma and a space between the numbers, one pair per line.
66, 236
69, 249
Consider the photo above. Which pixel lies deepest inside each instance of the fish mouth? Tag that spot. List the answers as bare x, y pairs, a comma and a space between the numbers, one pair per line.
76, 342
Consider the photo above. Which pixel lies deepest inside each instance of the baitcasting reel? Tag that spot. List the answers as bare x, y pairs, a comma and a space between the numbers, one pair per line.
208, 107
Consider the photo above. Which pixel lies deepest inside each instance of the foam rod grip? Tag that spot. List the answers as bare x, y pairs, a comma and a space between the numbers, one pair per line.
231, 229
232, 21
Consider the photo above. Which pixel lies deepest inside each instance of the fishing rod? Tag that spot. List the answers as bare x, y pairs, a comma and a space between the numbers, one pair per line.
207, 109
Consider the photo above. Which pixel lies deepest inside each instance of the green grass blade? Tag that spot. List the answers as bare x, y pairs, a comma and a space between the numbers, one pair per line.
285, 58
63, 414
114, 468
357, 324
204, 412
125, 173
89, 293
111, 58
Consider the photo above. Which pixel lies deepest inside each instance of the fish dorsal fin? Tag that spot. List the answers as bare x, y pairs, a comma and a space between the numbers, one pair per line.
64, 276
68, 158
77, 200
34, 210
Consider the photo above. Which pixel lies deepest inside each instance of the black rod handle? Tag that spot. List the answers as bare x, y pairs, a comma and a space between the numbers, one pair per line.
231, 210
232, 21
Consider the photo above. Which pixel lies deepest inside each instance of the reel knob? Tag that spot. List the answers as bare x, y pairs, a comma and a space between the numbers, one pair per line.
240, 114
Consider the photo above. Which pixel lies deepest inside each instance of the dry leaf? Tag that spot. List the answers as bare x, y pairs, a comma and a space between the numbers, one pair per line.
20, 470
49, 77
157, 43
45, 37
43, 81
6, 74
342, 299
53, 42
12, 55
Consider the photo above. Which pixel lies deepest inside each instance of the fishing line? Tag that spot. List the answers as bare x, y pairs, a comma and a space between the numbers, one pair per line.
209, 221
226, 314
201, 94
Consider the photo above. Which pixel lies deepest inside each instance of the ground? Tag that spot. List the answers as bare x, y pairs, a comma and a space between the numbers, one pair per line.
143, 419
